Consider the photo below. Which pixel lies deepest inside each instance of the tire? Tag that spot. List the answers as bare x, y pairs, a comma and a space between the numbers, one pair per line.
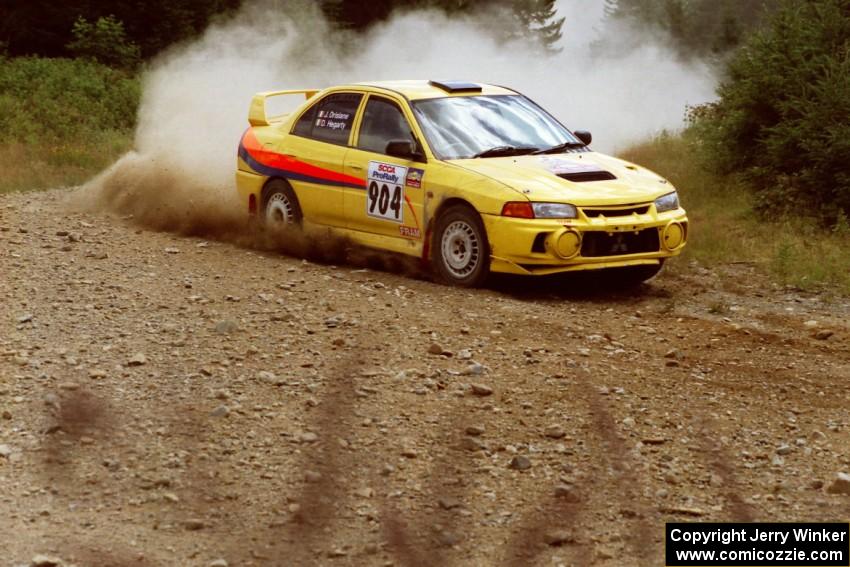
280, 205
461, 253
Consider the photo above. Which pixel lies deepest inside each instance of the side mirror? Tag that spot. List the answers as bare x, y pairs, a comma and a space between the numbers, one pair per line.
401, 149
585, 136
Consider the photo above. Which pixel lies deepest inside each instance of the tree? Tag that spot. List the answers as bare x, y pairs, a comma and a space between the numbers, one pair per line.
538, 19
360, 15
520, 19
676, 21
695, 28
44, 27
783, 120
105, 42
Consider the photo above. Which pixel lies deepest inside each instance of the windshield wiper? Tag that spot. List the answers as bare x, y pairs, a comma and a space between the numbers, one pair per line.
560, 148
506, 151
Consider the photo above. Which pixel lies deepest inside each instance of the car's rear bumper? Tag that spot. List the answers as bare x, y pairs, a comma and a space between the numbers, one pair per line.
548, 246
249, 186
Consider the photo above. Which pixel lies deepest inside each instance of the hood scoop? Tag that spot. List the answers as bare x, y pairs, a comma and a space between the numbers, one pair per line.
575, 170
585, 176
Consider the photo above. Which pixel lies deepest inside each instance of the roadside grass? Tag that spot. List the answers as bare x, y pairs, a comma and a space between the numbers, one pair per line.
62, 120
724, 229
27, 167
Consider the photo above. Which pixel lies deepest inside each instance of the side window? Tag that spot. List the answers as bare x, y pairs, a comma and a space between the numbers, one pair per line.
330, 119
382, 122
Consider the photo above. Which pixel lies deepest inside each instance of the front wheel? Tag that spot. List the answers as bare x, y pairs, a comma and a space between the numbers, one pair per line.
461, 252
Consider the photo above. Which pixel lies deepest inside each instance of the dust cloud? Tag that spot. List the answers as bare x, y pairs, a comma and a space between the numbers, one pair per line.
180, 177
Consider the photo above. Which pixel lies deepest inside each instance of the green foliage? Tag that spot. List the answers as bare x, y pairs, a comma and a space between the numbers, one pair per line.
695, 28
62, 120
783, 260
47, 28
104, 41
533, 20
724, 230
842, 225
353, 15
538, 19
783, 121
57, 100
44, 27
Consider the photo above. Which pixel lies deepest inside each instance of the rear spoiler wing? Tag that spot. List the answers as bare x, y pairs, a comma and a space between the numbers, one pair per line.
257, 113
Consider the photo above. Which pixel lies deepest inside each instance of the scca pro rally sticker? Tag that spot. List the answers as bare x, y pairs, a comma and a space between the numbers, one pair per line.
385, 193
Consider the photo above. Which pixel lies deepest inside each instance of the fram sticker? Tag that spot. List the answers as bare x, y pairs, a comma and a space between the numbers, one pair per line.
385, 191
414, 177
409, 231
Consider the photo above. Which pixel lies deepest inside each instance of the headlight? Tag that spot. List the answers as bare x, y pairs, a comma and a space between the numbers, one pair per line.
668, 202
526, 210
554, 211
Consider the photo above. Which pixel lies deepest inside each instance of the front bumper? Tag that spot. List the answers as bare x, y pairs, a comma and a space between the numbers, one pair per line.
548, 246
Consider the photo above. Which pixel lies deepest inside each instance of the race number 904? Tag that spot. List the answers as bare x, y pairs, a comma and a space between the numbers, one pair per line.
385, 192
385, 201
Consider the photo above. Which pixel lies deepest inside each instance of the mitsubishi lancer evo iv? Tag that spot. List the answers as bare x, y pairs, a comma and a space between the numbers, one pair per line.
471, 178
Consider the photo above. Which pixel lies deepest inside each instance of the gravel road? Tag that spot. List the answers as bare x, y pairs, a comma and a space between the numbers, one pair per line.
171, 400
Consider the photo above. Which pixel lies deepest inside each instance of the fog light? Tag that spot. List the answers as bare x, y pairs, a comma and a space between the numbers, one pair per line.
674, 236
567, 244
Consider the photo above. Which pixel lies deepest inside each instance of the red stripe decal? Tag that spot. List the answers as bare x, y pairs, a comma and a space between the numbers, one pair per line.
287, 163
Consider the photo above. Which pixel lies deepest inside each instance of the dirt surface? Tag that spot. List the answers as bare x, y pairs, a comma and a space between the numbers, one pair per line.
168, 400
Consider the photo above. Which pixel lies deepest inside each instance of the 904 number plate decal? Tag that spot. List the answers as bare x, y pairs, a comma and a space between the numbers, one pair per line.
385, 191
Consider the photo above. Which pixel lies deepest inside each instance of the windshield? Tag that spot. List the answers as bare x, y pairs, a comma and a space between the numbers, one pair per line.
464, 127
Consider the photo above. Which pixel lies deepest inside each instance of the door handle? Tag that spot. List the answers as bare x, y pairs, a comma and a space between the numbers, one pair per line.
355, 167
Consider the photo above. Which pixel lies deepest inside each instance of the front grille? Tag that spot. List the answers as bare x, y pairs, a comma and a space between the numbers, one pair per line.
597, 244
610, 213
585, 176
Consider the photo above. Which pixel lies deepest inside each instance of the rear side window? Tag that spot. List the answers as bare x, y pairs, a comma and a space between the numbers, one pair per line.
383, 122
330, 119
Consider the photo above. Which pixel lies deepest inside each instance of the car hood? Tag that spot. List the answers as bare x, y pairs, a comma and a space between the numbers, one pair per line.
558, 178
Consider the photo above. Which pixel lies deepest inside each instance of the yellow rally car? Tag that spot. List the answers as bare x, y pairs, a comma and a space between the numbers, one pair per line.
472, 178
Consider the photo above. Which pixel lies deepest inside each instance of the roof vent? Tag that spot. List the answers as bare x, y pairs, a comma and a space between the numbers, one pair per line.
456, 86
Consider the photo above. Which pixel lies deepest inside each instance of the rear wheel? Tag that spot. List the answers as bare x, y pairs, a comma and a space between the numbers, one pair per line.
461, 252
280, 205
